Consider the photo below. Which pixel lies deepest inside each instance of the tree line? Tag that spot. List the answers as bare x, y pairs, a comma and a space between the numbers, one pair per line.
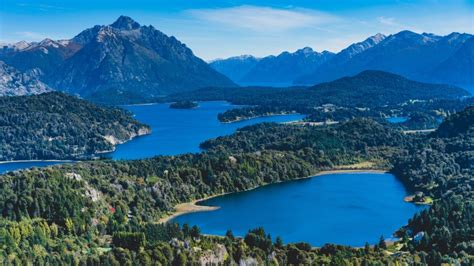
105, 212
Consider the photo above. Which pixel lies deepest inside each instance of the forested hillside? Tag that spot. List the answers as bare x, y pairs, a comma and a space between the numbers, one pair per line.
106, 211
57, 126
442, 167
373, 94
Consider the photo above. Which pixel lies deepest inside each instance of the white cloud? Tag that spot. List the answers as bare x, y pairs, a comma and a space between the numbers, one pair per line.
264, 18
41, 7
387, 21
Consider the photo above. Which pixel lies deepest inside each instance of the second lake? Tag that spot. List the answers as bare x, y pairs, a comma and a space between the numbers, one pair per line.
342, 208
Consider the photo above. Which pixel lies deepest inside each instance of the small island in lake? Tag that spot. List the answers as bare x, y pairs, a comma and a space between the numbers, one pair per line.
184, 105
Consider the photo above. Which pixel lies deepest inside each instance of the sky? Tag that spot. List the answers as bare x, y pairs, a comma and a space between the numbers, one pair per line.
224, 28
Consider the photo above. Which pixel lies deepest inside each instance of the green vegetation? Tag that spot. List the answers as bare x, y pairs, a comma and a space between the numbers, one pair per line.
184, 105
441, 168
105, 212
373, 94
56, 126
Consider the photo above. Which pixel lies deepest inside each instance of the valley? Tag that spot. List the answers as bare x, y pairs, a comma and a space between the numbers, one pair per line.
120, 146
254, 156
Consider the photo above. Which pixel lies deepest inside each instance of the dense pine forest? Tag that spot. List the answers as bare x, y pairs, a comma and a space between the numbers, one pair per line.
106, 212
57, 126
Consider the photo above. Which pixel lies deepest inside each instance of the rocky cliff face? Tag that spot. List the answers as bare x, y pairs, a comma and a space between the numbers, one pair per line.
16, 83
120, 61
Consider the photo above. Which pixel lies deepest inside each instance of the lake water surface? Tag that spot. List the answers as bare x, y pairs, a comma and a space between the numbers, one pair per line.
178, 131
348, 208
397, 119
174, 131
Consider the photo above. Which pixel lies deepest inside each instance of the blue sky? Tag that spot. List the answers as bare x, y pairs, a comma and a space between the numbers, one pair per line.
223, 28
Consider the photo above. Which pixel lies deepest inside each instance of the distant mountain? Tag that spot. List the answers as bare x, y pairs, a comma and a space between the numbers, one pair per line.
39, 59
415, 56
15, 83
278, 70
119, 61
459, 68
370, 88
235, 67
379, 88
358, 48
341, 58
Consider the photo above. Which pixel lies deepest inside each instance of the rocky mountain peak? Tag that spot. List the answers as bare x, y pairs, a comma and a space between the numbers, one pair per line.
359, 47
125, 23
49, 43
378, 37
407, 36
305, 51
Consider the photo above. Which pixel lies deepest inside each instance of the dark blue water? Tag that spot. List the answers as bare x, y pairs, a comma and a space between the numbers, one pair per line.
174, 131
347, 209
397, 119
177, 131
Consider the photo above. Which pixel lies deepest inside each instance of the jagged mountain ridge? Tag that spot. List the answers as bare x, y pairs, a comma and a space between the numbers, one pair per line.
281, 69
235, 67
406, 53
287, 66
118, 61
38, 58
423, 57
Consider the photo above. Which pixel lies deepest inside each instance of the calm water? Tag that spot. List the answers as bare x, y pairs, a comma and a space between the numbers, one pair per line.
397, 119
174, 131
177, 131
347, 209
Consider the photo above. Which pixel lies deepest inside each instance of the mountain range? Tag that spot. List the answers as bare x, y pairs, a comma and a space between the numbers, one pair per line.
235, 67
280, 70
123, 61
423, 57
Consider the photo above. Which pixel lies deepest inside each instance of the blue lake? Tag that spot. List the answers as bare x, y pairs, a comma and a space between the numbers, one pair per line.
397, 119
347, 209
174, 131
178, 131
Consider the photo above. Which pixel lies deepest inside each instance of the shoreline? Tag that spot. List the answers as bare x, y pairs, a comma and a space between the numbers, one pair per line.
192, 206
87, 157
189, 207
38, 161
240, 119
